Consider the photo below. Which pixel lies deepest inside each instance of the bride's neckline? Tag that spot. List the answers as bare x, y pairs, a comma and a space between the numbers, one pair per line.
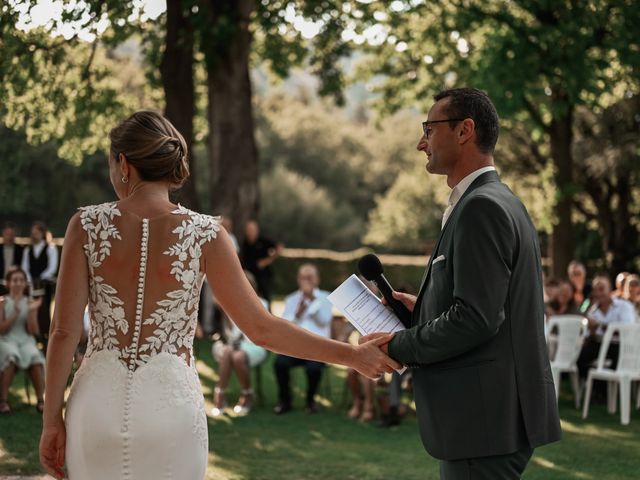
175, 210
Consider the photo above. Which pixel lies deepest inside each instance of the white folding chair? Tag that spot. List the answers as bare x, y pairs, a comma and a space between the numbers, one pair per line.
627, 370
568, 342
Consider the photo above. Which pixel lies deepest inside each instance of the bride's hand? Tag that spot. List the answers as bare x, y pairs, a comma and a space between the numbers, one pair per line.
371, 361
52, 449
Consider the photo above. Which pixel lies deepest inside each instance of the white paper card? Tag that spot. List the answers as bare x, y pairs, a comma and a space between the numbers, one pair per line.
363, 309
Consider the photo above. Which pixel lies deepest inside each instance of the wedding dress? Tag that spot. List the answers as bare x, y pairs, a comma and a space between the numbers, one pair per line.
136, 409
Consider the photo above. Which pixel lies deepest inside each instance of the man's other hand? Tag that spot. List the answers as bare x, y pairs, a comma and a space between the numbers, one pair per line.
407, 300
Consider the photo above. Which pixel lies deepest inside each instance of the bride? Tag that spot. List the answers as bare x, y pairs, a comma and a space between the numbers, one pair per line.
136, 409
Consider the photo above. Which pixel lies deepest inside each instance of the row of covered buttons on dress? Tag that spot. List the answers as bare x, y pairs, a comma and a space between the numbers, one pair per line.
126, 454
140, 299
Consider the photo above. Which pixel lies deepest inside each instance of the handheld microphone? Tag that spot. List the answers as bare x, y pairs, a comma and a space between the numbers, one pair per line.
371, 269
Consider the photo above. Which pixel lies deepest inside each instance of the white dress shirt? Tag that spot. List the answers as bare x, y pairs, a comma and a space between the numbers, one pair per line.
316, 318
52, 253
620, 311
7, 252
458, 191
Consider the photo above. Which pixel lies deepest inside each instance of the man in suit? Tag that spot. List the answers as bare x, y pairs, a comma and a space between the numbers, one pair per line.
40, 262
482, 382
11, 253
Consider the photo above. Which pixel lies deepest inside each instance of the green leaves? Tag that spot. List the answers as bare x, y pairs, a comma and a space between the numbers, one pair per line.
65, 89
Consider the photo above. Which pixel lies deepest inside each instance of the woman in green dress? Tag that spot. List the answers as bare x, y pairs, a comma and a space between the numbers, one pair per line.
18, 349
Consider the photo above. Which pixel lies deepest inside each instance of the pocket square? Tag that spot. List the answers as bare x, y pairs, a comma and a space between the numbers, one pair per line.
438, 259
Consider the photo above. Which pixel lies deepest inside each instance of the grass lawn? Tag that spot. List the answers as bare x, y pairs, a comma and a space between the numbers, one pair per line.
331, 446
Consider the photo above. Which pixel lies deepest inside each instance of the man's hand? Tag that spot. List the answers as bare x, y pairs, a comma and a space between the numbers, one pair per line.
407, 300
370, 358
373, 336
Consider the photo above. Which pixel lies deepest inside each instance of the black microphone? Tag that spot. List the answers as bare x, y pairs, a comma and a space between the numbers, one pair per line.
371, 269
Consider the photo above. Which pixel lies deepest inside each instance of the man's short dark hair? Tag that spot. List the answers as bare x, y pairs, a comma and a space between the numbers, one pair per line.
40, 226
10, 225
475, 104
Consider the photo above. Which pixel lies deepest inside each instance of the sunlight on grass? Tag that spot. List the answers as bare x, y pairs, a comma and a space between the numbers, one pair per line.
594, 430
221, 419
317, 435
220, 473
543, 462
206, 371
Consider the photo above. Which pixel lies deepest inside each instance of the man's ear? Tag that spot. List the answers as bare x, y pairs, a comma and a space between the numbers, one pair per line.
467, 131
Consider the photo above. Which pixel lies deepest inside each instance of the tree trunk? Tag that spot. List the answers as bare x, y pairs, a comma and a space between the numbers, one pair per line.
619, 236
624, 238
561, 243
231, 145
176, 69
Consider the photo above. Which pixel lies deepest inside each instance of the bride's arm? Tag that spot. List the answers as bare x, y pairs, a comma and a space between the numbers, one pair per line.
237, 298
66, 327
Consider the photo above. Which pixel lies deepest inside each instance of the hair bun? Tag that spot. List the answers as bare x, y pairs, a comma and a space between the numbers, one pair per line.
154, 146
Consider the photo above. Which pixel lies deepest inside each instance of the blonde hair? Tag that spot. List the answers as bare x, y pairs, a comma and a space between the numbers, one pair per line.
153, 145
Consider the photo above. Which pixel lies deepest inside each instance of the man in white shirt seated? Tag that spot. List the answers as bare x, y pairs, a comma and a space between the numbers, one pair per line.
309, 308
606, 310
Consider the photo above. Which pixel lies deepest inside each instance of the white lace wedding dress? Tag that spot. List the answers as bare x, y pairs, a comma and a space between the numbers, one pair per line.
136, 409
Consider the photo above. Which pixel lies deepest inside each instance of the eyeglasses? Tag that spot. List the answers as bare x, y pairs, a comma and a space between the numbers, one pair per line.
426, 126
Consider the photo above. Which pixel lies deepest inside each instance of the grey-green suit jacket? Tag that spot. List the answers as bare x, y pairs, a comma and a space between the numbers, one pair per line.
482, 380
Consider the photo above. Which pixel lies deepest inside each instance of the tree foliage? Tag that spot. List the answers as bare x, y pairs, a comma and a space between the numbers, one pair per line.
66, 89
537, 60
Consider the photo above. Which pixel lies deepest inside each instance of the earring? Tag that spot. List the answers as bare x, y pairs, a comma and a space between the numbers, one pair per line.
125, 180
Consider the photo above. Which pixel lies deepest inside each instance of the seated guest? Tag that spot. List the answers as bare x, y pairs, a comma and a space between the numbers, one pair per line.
391, 408
632, 293
236, 354
563, 301
606, 310
362, 394
621, 280
581, 286
550, 290
11, 253
309, 308
18, 350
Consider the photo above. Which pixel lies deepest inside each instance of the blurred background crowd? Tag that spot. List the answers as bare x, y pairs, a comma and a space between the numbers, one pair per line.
30, 265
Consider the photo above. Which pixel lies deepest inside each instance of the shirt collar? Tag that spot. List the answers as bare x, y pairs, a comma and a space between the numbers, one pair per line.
462, 186
316, 292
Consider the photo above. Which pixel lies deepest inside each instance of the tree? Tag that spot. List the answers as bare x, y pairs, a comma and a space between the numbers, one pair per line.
177, 73
409, 214
54, 88
41, 71
608, 150
229, 31
537, 60
223, 33
302, 214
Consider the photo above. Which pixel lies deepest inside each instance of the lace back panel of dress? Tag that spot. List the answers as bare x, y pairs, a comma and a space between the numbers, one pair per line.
145, 278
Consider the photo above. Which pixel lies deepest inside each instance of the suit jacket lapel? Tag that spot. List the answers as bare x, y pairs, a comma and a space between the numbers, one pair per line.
488, 177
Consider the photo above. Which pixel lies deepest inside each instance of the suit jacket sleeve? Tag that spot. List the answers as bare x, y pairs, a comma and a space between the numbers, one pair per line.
484, 244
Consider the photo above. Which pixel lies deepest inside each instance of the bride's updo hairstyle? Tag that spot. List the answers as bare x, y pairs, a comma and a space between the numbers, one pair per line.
153, 145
